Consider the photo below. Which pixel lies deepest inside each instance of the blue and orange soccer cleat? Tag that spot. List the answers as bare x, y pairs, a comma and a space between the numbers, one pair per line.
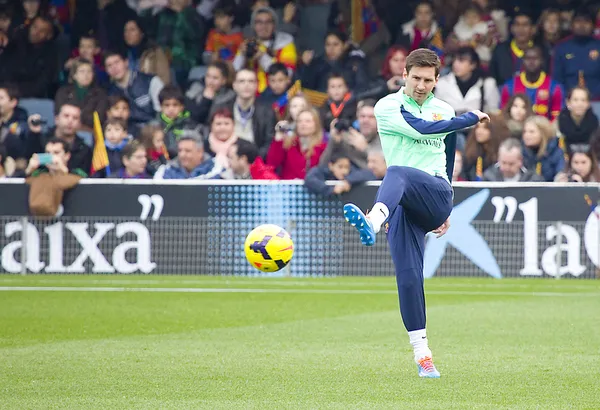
427, 368
359, 220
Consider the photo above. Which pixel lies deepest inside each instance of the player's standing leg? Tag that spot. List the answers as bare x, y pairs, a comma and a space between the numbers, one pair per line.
425, 203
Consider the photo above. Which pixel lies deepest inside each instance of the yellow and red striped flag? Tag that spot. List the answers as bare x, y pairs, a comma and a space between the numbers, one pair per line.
100, 155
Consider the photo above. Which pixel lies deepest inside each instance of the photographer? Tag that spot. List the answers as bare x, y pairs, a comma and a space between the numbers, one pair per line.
343, 137
68, 122
268, 46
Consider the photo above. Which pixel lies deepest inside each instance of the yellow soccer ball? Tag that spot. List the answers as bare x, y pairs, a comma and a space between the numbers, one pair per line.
269, 248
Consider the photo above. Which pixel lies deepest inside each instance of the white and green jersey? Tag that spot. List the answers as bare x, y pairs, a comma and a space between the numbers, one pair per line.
412, 135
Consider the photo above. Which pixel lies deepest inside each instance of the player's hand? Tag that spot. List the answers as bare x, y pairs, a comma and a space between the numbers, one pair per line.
442, 229
483, 117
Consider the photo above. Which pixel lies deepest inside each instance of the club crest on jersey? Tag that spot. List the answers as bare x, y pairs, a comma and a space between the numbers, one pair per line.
594, 54
14, 128
437, 117
387, 227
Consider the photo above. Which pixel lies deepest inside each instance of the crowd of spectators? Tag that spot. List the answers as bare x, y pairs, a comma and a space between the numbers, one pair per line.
272, 89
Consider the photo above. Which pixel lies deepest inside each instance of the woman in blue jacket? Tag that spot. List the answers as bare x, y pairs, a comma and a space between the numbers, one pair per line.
541, 152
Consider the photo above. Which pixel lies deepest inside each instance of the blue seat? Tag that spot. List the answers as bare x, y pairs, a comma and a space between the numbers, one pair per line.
44, 107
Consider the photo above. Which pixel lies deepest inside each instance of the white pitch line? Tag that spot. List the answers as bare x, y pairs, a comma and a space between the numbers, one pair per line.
292, 291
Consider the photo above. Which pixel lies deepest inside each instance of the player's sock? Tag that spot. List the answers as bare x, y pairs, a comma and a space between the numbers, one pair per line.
418, 340
378, 215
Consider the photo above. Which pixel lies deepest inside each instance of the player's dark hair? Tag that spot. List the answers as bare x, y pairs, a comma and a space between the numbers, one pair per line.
247, 149
423, 57
11, 90
278, 68
66, 146
171, 92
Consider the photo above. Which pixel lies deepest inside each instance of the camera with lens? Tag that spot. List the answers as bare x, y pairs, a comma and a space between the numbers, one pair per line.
343, 125
285, 128
36, 122
251, 48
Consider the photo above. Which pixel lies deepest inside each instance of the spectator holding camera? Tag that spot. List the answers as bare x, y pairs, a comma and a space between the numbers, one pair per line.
392, 74
581, 167
68, 121
268, 46
134, 161
55, 161
294, 152
340, 104
339, 169
509, 167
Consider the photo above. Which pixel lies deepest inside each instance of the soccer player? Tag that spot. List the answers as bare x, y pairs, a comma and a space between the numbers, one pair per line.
415, 196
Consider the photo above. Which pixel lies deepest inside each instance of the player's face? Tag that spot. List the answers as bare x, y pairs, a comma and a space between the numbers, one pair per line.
581, 164
510, 162
419, 83
532, 61
340, 168
532, 136
579, 103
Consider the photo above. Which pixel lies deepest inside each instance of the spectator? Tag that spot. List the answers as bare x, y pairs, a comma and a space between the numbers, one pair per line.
245, 163
275, 94
296, 104
376, 163
221, 136
582, 166
254, 121
173, 117
224, 40
472, 31
13, 122
30, 60
141, 90
545, 93
340, 169
293, 155
286, 12
465, 88
180, 30
495, 18
118, 108
8, 24
3, 157
422, 31
507, 56
84, 93
577, 59
549, 32
136, 43
115, 140
154, 62
213, 90
391, 78
510, 165
107, 18
577, 122
481, 150
60, 162
153, 138
540, 148
68, 121
267, 46
88, 50
341, 104
457, 172
31, 10
354, 143
191, 162
134, 162
340, 57
515, 112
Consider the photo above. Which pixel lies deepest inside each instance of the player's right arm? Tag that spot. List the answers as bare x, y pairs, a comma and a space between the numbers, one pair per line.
392, 118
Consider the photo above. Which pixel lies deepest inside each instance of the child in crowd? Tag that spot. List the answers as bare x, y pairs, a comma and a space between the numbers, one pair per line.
174, 117
224, 40
153, 138
340, 103
275, 94
339, 168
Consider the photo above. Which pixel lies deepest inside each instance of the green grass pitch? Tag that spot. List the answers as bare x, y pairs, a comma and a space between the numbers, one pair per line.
150, 342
